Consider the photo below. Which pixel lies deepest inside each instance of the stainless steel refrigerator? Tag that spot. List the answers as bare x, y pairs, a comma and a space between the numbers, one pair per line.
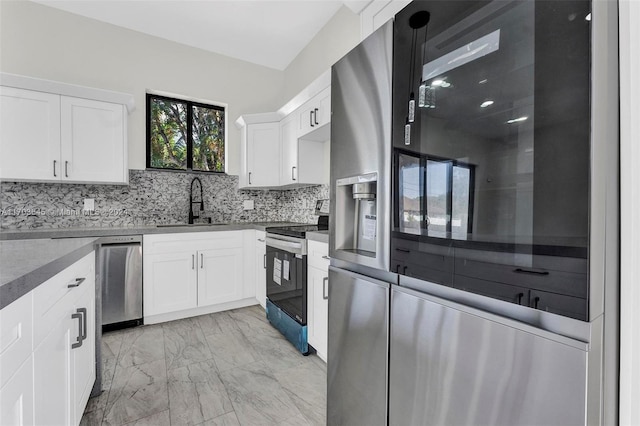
473, 233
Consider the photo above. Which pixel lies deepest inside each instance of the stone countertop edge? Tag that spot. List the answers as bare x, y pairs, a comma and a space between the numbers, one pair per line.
142, 230
320, 236
25, 282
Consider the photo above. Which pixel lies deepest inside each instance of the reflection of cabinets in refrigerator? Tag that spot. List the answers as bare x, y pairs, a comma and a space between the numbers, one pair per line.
445, 356
317, 296
547, 283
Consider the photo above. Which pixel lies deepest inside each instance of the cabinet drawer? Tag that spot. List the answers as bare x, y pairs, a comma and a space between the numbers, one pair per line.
508, 293
573, 307
569, 283
318, 254
191, 242
16, 336
52, 299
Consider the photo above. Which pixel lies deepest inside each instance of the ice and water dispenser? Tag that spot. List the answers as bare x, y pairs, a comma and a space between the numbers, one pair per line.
357, 217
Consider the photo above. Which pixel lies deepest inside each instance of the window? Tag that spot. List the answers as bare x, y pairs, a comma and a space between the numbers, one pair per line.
185, 135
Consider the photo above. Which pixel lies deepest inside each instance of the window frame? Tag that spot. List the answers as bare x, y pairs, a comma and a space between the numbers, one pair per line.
190, 103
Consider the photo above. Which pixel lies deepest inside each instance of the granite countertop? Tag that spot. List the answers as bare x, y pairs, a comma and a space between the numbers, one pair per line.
151, 229
30, 257
25, 264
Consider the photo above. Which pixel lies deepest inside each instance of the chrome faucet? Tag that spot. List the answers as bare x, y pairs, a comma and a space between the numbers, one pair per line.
192, 216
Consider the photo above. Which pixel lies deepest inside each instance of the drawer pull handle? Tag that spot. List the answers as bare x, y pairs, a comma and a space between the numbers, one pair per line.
315, 116
261, 240
403, 250
311, 119
76, 283
520, 296
264, 261
326, 257
397, 269
66, 169
201, 260
193, 261
535, 302
78, 315
404, 270
325, 294
83, 311
54, 168
293, 172
530, 271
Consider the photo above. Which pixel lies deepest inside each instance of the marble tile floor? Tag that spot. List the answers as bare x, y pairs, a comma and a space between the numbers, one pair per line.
227, 368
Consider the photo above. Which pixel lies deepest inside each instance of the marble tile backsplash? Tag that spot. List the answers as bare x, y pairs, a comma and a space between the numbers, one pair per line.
152, 197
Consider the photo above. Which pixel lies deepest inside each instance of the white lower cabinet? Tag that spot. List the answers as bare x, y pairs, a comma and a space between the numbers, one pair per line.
16, 397
170, 282
317, 296
191, 274
53, 383
219, 276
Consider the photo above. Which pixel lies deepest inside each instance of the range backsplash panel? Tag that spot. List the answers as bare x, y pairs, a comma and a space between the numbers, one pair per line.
152, 197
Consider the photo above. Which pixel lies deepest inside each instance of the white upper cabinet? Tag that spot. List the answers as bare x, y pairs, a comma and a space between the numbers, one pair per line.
94, 139
263, 155
315, 113
29, 135
48, 136
289, 148
289, 170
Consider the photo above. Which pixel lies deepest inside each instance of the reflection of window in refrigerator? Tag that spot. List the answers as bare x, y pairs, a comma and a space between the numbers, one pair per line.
410, 191
460, 200
449, 196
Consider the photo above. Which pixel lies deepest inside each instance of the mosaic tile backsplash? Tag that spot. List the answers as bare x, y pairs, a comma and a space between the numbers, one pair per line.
151, 198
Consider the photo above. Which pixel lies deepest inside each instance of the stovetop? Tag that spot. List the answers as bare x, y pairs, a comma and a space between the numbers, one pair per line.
298, 231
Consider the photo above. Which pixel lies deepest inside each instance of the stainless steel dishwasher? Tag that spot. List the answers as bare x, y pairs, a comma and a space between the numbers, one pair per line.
121, 278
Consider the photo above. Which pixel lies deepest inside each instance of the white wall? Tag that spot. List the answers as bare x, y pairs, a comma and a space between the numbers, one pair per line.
333, 41
43, 42
630, 206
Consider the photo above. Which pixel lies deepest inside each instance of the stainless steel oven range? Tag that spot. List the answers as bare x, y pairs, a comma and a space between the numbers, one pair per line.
287, 282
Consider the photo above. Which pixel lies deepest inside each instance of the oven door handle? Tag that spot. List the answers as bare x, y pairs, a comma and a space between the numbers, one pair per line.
290, 246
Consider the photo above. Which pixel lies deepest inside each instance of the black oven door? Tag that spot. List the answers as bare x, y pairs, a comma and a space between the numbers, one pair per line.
287, 282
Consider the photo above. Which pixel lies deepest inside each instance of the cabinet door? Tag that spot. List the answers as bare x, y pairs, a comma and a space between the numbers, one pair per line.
219, 276
84, 359
289, 137
169, 283
16, 397
93, 141
317, 309
52, 374
261, 269
315, 113
263, 154
323, 114
29, 135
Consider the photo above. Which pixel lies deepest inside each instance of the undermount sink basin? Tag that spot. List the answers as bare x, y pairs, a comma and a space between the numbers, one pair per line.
174, 225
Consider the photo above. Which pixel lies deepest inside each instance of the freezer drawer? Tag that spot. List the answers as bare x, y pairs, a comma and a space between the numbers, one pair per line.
357, 351
454, 365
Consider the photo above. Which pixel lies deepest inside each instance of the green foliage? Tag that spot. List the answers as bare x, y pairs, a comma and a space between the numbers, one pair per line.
169, 136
